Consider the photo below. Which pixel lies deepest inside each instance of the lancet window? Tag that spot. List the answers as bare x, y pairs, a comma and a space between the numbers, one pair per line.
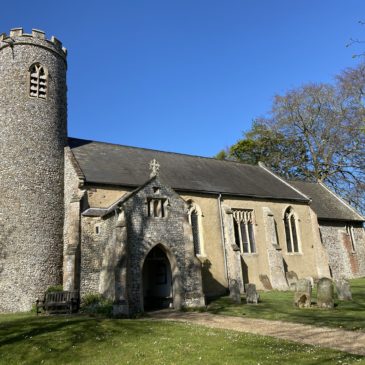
291, 231
195, 219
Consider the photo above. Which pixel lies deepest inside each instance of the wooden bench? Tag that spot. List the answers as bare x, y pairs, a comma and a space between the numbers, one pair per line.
59, 302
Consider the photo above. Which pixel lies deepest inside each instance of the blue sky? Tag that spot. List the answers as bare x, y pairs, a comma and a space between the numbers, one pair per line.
190, 75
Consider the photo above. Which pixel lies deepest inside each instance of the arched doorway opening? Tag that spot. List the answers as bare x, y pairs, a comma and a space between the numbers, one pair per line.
157, 280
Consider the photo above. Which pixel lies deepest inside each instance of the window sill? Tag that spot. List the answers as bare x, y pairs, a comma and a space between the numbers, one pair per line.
201, 258
252, 254
294, 253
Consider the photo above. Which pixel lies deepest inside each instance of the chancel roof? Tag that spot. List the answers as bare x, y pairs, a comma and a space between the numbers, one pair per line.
326, 204
111, 164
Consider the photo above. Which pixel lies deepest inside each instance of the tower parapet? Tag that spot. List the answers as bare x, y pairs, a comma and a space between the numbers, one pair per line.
37, 37
33, 124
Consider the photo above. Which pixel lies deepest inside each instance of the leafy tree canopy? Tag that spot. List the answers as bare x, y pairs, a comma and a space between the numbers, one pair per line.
314, 132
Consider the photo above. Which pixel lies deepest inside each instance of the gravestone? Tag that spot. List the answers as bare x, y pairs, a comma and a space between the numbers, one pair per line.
303, 294
252, 297
265, 282
343, 289
234, 291
292, 279
311, 280
325, 293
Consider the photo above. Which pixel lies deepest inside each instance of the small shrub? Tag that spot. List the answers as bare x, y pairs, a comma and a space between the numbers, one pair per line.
54, 288
95, 303
91, 298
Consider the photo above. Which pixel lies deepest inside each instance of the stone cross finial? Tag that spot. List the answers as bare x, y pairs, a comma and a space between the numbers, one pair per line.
155, 168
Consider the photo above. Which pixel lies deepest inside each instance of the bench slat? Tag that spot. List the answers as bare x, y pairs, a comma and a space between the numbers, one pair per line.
59, 301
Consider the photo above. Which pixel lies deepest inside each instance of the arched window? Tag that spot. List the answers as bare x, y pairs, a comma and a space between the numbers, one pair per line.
291, 231
243, 223
38, 81
195, 216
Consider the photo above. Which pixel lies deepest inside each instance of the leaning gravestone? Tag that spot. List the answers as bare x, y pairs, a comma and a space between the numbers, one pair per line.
343, 289
265, 281
234, 291
325, 293
252, 297
303, 294
292, 279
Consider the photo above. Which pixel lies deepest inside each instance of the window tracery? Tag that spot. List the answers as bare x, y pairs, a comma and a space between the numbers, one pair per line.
291, 231
157, 207
243, 223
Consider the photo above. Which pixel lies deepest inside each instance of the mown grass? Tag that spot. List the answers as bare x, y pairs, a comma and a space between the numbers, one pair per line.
276, 305
27, 339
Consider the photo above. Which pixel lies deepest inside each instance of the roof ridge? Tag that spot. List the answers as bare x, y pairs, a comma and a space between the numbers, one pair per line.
169, 152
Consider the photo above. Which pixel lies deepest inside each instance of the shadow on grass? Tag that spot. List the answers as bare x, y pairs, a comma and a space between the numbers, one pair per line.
78, 340
36, 338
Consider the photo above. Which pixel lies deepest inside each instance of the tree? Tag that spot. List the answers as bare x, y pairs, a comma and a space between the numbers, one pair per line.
315, 132
264, 144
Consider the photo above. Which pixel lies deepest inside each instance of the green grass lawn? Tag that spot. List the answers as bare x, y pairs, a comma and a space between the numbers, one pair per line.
276, 305
27, 339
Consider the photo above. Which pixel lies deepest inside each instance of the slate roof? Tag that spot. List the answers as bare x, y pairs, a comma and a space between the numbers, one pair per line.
326, 204
110, 164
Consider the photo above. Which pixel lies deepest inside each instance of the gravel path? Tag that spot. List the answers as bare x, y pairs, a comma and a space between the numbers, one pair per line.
349, 341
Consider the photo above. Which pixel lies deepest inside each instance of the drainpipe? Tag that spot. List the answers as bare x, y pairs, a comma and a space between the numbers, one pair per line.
222, 237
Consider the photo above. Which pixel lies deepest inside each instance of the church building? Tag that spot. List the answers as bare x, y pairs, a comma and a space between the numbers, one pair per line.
145, 228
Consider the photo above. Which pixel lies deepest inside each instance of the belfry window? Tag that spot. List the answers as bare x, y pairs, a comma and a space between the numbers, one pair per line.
38, 81
243, 224
195, 216
291, 231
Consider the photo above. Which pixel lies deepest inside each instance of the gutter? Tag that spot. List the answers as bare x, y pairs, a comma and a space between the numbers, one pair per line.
208, 192
222, 236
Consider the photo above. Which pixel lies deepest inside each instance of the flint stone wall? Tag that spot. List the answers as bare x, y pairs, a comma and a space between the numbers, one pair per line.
32, 140
142, 233
344, 262
93, 247
172, 232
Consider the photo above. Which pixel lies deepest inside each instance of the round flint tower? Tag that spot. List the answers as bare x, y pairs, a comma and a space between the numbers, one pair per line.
33, 118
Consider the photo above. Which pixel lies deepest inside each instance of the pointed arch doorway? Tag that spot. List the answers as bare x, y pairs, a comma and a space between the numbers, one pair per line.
157, 280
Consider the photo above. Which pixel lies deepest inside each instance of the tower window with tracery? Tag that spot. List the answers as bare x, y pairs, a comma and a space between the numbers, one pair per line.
38, 84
